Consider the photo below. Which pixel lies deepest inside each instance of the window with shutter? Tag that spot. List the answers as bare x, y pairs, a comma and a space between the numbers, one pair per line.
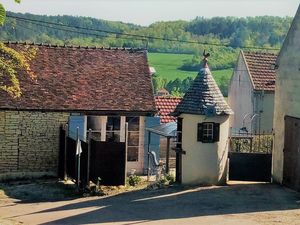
216, 132
208, 132
200, 132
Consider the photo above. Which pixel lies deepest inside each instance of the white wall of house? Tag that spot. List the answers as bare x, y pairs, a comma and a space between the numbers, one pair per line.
246, 102
287, 97
204, 162
264, 108
240, 95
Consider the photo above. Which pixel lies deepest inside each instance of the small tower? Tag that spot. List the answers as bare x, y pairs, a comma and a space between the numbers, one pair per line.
203, 122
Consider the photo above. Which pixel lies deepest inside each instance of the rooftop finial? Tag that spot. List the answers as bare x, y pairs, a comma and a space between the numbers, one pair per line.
205, 59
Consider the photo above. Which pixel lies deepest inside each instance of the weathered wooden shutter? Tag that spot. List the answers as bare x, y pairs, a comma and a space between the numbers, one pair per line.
178, 155
179, 132
216, 132
200, 132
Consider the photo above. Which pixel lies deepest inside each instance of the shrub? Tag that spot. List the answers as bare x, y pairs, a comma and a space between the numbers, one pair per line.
134, 180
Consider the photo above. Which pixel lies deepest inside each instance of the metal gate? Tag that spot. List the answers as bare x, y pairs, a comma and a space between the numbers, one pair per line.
250, 166
291, 162
250, 157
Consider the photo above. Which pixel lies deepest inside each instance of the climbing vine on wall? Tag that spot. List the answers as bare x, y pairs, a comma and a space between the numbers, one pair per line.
12, 61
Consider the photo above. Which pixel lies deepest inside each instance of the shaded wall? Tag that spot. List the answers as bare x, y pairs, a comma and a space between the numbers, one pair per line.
287, 97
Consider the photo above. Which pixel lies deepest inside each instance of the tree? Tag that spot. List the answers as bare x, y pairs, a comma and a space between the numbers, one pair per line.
3, 12
12, 60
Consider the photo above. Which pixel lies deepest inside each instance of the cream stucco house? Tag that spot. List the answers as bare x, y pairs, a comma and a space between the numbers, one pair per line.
203, 129
286, 152
251, 92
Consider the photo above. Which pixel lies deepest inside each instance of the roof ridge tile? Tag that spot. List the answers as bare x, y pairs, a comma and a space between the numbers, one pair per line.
74, 46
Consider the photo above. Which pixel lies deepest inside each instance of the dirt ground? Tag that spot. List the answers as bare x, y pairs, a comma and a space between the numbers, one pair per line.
237, 203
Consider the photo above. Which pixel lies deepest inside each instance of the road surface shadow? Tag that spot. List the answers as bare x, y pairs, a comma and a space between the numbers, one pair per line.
180, 202
43, 190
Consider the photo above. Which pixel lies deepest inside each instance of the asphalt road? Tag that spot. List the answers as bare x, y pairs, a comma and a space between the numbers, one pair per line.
237, 203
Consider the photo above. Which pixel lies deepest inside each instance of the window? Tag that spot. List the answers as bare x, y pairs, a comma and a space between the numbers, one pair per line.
133, 138
208, 132
94, 123
113, 129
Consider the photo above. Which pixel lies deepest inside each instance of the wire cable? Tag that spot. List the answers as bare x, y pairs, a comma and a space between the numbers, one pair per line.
143, 37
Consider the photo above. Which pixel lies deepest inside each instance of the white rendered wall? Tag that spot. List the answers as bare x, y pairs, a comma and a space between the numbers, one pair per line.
287, 93
240, 95
204, 163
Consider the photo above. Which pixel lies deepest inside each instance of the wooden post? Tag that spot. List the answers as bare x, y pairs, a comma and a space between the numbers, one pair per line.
148, 152
168, 155
78, 164
126, 149
88, 158
65, 151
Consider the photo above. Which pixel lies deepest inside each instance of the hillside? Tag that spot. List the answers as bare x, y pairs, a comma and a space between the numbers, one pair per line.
170, 76
179, 59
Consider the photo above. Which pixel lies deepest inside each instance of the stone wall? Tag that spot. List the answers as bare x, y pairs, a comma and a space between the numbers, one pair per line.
29, 142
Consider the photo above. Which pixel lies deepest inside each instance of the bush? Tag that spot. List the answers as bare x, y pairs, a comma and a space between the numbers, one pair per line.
170, 178
134, 180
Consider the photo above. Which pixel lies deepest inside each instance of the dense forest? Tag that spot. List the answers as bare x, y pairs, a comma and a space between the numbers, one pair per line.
263, 31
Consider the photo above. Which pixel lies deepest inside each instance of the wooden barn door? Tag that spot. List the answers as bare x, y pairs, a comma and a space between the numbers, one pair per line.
291, 162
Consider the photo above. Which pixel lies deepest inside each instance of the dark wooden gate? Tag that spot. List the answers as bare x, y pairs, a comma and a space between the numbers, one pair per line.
291, 161
108, 162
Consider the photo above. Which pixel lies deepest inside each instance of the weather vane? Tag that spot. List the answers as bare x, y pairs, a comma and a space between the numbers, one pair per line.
205, 59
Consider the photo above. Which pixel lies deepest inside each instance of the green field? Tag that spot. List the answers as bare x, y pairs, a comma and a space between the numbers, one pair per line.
166, 66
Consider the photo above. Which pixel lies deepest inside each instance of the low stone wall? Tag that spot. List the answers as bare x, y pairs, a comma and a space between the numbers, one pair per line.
29, 143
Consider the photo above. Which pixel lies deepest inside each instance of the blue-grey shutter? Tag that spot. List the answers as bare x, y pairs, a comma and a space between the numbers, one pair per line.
216, 132
154, 141
77, 121
200, 132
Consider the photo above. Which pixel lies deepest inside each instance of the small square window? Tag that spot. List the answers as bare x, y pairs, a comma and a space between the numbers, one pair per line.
208, 132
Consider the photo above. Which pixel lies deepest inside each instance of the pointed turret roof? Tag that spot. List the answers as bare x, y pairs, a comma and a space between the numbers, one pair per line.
204, 93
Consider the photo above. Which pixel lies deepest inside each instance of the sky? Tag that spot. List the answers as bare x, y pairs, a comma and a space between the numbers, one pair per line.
145, 12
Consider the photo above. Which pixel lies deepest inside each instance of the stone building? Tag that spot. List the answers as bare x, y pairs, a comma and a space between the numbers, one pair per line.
109, 86
203, 131
251, 92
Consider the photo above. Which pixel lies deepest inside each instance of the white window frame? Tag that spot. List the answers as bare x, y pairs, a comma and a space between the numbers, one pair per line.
208, 131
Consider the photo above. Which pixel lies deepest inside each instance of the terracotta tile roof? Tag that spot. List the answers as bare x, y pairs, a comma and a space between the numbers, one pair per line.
203, 94
84, 79
260, 67
166, 105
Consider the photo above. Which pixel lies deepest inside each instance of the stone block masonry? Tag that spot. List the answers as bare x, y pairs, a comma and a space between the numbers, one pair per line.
29, 142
